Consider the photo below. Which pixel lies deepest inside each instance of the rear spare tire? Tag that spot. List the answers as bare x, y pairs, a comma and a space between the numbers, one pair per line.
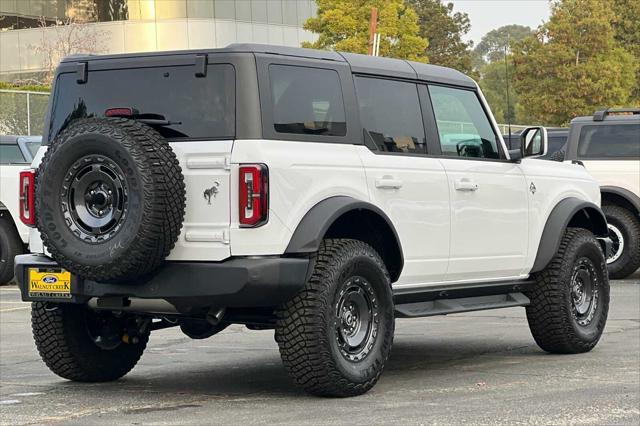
110, 199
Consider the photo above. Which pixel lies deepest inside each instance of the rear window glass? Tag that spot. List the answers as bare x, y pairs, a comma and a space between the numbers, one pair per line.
194, 107
307, 101
11, 154
615, 141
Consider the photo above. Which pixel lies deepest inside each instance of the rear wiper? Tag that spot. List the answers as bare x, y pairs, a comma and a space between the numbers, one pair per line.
156, 122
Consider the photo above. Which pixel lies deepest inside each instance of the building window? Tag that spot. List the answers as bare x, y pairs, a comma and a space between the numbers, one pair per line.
225, 9
171, 9
259, 10
200, 9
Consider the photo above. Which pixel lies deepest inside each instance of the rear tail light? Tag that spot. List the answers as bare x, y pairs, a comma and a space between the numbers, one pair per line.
254, 195
28, 197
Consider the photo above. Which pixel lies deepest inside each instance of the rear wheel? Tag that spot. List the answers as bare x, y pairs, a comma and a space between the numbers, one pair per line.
10, 247
570, 302
83, 345
336, 334
624, 231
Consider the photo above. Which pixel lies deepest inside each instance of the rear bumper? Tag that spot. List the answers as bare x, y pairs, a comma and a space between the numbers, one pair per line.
237, 282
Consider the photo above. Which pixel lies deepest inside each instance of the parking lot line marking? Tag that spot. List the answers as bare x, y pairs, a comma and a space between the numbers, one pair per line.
15, 309
2, 302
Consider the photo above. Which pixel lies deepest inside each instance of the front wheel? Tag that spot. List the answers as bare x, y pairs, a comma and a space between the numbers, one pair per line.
83, 345
336, 334
570, 302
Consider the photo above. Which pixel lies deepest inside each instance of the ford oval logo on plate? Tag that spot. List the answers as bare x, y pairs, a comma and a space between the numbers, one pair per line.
49, 279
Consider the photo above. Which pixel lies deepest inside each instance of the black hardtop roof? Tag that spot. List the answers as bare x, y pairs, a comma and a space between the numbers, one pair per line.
364, 64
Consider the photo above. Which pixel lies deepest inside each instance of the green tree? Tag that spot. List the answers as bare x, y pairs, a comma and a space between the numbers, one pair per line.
573, 64
344, 25
494, 87
626, 26
444, 29
491, 47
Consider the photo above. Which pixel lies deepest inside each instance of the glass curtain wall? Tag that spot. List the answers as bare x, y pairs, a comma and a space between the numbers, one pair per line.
19, 14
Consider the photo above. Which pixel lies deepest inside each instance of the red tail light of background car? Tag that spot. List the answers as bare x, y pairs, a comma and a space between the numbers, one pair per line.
28, 197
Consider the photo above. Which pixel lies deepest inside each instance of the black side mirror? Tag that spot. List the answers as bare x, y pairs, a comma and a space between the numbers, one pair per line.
515, 154
534, 142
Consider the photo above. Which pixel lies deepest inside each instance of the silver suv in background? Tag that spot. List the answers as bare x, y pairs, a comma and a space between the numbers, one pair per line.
608, 144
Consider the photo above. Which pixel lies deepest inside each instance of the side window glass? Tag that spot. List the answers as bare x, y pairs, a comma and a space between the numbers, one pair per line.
614, 141
390, 113
11, 154
307, 101
463, 126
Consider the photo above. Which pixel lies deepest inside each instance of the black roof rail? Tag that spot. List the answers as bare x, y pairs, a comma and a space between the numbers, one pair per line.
600, 115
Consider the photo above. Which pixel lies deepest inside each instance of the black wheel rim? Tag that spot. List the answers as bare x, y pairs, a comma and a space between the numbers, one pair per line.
584, 291
356, 319
94, 198
104, 329
617, 243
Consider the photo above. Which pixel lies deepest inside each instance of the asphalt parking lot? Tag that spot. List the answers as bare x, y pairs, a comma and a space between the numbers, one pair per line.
476, 368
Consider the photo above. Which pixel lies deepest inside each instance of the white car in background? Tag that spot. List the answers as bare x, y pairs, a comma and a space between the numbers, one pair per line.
16, 153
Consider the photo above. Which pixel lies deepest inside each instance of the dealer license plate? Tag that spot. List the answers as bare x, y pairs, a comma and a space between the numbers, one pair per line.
49, 283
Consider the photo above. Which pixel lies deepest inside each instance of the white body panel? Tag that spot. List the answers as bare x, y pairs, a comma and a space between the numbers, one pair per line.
9, 194
488, 219
301, 174
414, 193
554, 181
618, 173
206, 166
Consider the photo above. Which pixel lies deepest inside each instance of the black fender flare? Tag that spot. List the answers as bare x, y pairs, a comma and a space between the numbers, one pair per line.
315, 223
559, 219
632, 198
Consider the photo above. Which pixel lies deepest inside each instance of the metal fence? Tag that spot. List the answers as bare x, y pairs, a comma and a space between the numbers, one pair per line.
22, 112
466, 127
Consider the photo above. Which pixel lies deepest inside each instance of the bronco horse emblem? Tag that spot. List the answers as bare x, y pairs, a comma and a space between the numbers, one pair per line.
213, 191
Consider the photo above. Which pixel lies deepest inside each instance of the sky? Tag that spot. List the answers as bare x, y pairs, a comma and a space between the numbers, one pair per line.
487, 15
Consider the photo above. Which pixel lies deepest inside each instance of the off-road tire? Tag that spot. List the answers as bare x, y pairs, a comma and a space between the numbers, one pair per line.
154, 211
551, 319
629, 226
306, 326
64, 344
10, 247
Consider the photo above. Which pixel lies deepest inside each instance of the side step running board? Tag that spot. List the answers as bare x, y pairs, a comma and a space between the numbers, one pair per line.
465, 304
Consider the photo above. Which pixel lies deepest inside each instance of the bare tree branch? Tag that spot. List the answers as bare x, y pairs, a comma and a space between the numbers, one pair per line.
64, 38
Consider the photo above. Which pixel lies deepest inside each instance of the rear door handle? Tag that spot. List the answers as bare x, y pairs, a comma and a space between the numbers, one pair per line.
388, 182
465, 184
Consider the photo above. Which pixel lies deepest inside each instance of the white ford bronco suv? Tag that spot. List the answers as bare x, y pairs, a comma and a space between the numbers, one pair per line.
320, 194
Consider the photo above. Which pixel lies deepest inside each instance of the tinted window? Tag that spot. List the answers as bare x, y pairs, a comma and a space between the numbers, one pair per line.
11, 154
390, 113
615, 141
194, 107
463, 126
307, 101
